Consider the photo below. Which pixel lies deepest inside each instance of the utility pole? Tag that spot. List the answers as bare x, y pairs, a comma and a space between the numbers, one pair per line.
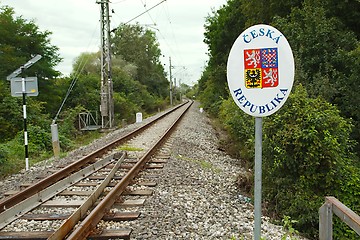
175, 91
180, 90
107, 101
171, 93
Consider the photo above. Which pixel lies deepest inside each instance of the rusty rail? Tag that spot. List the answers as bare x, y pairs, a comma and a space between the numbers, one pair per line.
50, 180
90, 222
333, 205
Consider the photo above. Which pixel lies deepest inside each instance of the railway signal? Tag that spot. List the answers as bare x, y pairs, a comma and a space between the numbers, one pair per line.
21, 87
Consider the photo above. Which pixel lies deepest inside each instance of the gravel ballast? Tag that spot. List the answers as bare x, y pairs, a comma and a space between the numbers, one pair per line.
196, 196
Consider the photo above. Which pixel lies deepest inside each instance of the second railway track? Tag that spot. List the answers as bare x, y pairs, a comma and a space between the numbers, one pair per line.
83, 194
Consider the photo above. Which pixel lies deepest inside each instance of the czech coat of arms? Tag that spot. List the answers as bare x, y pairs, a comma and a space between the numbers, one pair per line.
261, 68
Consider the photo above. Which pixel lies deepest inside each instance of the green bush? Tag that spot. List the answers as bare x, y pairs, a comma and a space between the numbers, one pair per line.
307, 155
241, 129
39, 139
211, 99
125, 108
68, 122
11, 157
4, 154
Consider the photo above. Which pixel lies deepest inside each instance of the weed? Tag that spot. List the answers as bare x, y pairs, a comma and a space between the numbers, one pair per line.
129, 148
290, 230
204, 164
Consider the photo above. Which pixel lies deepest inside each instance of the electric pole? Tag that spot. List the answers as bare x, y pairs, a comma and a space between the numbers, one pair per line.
107, 101
174, 91
171, 87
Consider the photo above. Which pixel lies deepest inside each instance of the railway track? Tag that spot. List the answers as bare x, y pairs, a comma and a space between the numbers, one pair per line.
84, 199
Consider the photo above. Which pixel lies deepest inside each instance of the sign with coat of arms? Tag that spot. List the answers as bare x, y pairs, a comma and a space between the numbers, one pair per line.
260, 70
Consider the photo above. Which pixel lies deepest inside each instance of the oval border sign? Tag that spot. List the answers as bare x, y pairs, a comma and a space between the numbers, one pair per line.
260, 70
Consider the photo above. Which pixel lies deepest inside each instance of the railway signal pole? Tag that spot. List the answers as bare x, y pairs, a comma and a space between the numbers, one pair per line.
25, 89
107, 101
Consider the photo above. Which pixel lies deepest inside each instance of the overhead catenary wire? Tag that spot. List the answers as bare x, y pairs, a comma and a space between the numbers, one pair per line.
172, 33
144, 4
145, 11
160, 32
113, 30
76, 75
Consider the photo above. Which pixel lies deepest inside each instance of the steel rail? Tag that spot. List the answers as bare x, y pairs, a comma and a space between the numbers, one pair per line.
50, 180
89, 223
80, 212
35, 200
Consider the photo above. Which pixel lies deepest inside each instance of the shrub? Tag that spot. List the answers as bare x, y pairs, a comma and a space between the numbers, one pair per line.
241, 129
11, 157
307, 156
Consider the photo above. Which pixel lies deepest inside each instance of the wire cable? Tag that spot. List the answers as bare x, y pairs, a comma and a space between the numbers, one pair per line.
145, 11
76, 75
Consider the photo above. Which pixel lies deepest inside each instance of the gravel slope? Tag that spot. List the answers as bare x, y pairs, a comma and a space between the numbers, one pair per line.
197, 197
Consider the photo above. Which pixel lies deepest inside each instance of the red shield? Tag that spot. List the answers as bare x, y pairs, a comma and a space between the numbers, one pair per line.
261, 68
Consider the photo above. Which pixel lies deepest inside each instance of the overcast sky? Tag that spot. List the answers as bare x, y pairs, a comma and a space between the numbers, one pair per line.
75, 27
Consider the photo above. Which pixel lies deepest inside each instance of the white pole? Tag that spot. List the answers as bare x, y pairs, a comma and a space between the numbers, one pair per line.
23, 89
55, 140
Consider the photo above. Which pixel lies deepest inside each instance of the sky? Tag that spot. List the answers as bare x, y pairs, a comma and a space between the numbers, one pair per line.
75, 27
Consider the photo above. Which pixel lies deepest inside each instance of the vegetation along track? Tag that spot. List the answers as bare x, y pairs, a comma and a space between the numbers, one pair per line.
87, 189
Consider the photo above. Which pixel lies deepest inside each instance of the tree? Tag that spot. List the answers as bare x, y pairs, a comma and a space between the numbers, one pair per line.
263, 11
86, 80
308, 154
327, 55
221, 30
130, 96
308, 149
20, 41
138, 46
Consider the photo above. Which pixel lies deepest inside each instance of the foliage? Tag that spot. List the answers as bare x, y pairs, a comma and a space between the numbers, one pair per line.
288, 227
241, 129
130, 96
10, 153
222, 29
138, 46
307, 155
20, 41
127, 108
69, 121
139, 84
211, 98
308, 151
321, 45
263, 11
325, 43
11, 117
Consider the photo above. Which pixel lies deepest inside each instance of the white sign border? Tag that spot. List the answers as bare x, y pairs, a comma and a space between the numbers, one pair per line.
260, 102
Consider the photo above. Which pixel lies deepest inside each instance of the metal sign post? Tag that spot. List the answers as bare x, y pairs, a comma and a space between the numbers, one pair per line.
23, 93
260, 73
258, 176
23, 90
